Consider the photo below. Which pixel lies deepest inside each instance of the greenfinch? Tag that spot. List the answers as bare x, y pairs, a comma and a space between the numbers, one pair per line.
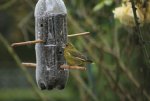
74, 57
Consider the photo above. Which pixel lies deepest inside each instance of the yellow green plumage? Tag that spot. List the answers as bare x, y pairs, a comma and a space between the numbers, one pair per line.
74, 57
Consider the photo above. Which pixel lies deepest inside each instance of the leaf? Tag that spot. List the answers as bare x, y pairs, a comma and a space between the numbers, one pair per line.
108, 2
102, 4
99, 6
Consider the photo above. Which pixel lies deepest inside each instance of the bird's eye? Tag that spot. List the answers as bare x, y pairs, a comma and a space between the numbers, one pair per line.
66, 45
60, 52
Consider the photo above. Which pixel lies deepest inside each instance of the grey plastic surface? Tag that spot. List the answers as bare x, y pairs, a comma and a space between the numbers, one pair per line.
51, 26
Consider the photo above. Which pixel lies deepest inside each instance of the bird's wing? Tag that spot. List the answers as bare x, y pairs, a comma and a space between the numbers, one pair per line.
78, 55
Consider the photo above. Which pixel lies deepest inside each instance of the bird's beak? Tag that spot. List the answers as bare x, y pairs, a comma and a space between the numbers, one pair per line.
64, 45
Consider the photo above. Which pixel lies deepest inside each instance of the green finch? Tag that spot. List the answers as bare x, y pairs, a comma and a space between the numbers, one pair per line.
74, 57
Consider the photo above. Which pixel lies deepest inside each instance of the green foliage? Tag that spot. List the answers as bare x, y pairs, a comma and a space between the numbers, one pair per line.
102, 3
120, 71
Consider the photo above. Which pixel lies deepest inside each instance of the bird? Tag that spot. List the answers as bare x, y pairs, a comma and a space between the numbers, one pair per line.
74, 57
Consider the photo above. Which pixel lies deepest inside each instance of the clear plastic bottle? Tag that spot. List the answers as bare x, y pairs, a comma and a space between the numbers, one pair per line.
50, 7
50, 26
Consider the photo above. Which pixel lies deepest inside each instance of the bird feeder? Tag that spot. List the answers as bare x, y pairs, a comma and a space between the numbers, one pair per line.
51, 27
50, 39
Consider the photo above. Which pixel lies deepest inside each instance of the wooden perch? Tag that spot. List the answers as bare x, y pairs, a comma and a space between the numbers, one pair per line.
62, 66
78, 34
29, 65
26, 43
72, 67
41, 41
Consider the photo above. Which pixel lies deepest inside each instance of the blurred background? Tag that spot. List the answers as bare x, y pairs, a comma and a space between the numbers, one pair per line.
120, 71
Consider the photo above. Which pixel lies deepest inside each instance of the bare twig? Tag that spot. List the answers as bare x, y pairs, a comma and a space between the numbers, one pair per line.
108, 50
18, 62
120, 63
110, 76
7, 4
84, 86
139, 32
25, 26
30, 3
140, 39
121, 89
26, 43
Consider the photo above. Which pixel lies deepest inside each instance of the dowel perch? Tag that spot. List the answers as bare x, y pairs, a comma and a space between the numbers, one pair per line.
41, 41
26, 43
78, 34
72, 67
33, 65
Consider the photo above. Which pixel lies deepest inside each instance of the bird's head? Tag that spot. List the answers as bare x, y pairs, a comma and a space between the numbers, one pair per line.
69, 46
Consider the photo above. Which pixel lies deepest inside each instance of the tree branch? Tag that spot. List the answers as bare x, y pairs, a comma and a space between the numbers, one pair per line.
18, 62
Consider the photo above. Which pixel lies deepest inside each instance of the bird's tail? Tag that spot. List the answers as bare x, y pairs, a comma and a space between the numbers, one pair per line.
89, 61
